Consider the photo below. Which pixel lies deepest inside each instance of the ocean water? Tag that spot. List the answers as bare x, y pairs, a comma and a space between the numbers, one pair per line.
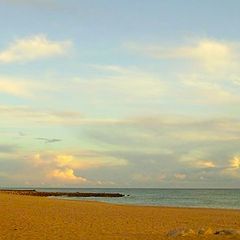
203, 198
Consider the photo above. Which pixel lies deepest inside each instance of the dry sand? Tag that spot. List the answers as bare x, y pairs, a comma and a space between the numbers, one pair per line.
33, 218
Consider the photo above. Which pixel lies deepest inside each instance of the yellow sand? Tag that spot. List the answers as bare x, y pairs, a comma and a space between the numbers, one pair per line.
33, 218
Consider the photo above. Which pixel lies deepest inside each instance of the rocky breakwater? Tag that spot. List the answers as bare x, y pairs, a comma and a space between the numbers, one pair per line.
61, 194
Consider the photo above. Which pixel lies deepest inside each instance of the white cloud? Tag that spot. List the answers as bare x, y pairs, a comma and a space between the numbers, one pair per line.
33, 48
19, 87
210, 53
13, 88
210, 89
209, 70
125, 83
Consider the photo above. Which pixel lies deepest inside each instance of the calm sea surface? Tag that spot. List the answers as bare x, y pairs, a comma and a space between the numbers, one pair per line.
206, 198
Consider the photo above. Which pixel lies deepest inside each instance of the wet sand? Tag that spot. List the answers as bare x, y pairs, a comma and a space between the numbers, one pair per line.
28, 217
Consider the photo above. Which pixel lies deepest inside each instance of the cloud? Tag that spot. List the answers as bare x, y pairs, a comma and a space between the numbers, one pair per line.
86, 160
22, 134
49, 140
19, 114
126, 84
63, 165
204, 164
33, 48
180, 176
24, 87
27, 114
194, 146
163, 133
59, 169
148, 178
210, 53
235, 162
159, 144
66, 175
203, 71
6, 148
210, 89
197, 159
15, 88
233, 170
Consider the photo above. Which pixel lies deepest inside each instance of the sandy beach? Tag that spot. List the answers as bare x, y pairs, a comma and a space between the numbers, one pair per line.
28, 217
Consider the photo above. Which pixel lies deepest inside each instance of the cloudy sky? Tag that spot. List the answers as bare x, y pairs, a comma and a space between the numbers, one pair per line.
107, 93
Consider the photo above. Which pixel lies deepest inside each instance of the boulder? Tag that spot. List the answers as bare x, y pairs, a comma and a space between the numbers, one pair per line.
227, 232
181, 232
205, 231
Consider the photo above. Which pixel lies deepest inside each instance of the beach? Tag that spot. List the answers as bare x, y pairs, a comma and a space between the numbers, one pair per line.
31, 217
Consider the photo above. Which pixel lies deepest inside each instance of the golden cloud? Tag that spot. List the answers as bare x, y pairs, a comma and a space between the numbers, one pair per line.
233, 169
66, 175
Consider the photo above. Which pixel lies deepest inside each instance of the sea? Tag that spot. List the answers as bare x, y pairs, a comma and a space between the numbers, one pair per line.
194, 198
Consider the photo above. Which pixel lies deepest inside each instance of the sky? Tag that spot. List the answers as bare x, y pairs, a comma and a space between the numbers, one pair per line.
107, 93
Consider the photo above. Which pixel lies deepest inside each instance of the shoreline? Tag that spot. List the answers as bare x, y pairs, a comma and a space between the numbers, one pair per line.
142, 205
28, 217
87, 196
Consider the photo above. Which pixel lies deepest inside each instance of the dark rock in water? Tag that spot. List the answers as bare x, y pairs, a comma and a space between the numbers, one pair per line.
180, 232
227, 232
61, 194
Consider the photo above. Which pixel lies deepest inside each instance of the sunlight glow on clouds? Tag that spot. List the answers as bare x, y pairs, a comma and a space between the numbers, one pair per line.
235, 162
33, 48
16, 88
66, 175
196, 159
233, 170
212, 54
82, 160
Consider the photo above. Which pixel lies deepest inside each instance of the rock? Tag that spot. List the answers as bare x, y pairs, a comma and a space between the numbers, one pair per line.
205, 231
61, 194
180, 232
227, 232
